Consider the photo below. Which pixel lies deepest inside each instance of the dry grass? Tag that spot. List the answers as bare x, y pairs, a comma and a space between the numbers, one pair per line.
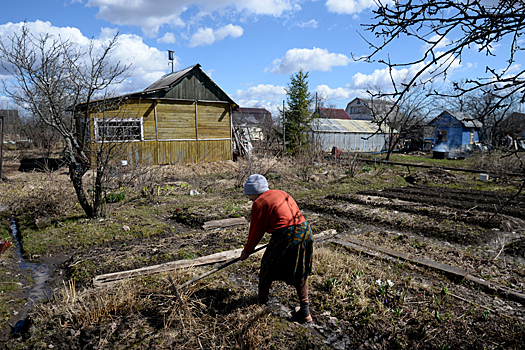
499, 163
350, 281
194, 325
217, 313
47, 194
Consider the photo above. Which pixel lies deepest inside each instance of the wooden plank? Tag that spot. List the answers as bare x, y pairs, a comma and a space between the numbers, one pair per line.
496, 288
110, 278
213, 121
386, 253
417, 260
176, 120
208, 225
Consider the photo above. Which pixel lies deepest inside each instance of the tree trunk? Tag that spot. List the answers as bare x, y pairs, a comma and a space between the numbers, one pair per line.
76, 174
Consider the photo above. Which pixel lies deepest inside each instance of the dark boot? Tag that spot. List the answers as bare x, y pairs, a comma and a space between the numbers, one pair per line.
302, 314
264, 293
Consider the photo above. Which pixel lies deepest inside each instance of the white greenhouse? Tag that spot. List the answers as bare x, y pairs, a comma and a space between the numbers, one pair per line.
349, 135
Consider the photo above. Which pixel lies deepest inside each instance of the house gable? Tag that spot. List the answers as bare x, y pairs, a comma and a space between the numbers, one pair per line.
187, 84
361, 109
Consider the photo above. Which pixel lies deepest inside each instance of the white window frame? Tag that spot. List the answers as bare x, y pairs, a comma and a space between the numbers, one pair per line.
113, 120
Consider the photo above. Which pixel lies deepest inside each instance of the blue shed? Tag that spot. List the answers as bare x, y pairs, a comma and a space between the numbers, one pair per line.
458, 130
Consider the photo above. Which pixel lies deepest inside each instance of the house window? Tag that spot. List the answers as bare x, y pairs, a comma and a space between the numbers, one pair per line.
118, 130
445, 135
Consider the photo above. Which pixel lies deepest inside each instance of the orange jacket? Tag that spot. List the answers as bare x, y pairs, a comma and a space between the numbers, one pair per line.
274, 209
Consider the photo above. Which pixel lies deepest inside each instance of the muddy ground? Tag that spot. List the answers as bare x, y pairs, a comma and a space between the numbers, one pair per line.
438, 217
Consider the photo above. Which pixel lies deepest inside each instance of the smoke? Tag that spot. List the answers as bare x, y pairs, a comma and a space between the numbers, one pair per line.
442, 147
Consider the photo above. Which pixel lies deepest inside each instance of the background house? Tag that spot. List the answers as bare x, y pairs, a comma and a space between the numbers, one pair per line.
459, 130
362, 108
184, 117
252, 122
349, 135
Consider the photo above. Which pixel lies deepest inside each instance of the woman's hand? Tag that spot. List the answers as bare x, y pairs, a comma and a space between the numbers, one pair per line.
244, 255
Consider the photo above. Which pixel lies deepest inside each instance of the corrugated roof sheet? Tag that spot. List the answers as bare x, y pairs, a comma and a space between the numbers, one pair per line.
169, 79
345, 125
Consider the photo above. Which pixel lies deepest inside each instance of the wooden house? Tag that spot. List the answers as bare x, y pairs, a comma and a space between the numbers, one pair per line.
458, 130
184, 117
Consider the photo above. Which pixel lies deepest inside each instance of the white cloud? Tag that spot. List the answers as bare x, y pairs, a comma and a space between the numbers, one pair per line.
6, 103
515, 68
150, 15
67, 33
440, 41
203, 36
381, 78
327, 93
349, 7
261, 92
168, 38
228, 30
206, 36
309, 60
264, 96
147, 63
310, 24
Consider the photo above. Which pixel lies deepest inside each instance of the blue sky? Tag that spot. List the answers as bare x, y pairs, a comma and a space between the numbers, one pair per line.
248, 47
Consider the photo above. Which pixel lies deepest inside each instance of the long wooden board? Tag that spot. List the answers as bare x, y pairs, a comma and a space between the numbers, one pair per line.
110, 278
382, 252
224, 223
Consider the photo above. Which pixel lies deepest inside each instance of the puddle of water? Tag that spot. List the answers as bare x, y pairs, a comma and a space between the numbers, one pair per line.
39, 272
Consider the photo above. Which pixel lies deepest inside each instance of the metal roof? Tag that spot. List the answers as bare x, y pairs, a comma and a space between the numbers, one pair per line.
466, 120
334, 113
346, 125
169, 79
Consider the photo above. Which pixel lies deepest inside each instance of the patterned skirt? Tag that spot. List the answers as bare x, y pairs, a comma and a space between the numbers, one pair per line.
288, 257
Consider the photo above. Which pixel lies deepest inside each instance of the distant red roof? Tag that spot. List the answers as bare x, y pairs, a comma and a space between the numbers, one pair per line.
333, 113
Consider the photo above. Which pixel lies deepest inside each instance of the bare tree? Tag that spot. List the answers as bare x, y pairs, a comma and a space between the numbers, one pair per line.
49, 76
401, 118
42, 135
448, 28
480, 24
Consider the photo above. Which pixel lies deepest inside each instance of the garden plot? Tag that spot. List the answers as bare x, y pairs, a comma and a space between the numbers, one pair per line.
358, 300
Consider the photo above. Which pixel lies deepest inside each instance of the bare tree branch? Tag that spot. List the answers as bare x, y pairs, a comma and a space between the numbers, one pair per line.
50, 76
